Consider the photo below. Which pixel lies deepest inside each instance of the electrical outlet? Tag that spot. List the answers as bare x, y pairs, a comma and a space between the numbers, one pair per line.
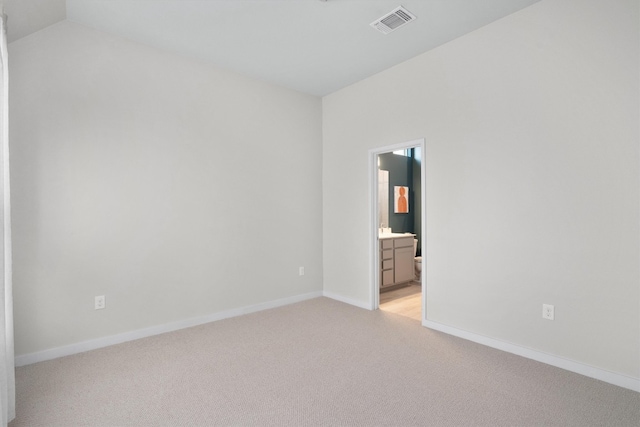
100, 302
547, 311
301, 271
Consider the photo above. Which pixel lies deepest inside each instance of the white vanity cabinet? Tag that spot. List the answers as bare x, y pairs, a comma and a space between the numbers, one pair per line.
396, 259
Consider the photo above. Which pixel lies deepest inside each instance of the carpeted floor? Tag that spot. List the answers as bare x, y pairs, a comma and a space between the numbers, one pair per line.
318, 362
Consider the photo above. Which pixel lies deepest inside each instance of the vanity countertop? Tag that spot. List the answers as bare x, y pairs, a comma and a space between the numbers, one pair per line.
384, 236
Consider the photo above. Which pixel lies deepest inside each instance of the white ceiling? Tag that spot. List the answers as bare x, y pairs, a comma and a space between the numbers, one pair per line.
312, 46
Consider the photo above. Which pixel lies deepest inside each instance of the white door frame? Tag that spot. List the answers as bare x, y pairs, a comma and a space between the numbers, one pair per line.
374, 221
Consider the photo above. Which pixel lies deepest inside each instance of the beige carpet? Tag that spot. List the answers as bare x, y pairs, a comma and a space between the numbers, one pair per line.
319, 362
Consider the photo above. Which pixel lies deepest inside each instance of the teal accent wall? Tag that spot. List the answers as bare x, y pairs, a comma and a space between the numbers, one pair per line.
404, 171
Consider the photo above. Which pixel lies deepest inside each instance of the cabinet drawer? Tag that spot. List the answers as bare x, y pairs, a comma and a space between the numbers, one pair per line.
386, 278
403, 242
387, 264
386, 244
387, 254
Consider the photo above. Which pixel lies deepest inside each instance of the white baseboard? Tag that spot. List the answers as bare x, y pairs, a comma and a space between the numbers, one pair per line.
569, 365
346, 300
67, 350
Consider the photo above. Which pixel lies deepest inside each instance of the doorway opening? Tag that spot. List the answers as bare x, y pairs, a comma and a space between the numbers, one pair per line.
398, 229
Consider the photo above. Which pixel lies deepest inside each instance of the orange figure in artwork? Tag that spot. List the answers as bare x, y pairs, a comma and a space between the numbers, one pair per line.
402, 201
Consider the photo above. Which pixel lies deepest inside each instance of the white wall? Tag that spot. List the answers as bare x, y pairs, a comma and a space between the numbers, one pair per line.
532, 162
174, 188
28, 16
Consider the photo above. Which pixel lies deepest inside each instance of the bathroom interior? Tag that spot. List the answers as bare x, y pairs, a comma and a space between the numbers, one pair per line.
400, 249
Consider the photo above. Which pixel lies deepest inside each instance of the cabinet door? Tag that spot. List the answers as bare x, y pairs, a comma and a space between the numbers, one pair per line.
403, 265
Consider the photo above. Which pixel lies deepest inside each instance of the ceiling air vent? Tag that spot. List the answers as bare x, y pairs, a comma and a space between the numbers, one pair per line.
393, 20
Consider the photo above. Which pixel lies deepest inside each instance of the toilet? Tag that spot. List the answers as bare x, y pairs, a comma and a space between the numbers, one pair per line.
417, 260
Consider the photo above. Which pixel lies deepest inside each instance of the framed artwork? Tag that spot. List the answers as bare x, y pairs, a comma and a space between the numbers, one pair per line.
401, 199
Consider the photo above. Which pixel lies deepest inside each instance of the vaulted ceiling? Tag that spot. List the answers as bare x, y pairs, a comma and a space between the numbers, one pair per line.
312, 46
